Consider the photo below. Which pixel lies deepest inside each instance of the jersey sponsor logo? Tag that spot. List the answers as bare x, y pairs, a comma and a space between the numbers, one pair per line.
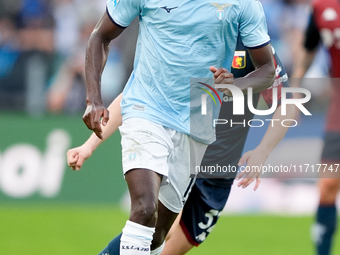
279, 80
329, 14
239, 61
227, 99
278, 70
168, 10
220, 12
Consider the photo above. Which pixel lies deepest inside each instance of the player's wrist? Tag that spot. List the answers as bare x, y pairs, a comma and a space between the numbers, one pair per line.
92, 143
94, 98
263, 150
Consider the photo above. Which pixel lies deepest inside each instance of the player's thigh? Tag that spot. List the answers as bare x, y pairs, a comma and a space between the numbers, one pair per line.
145, 150
186, 153
143, 186
202, 210
145, 145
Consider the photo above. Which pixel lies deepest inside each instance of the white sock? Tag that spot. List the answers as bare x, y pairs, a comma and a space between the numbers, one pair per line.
136, 239
158, 250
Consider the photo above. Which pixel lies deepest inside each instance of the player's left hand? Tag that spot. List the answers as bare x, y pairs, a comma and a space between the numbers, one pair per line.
222, 76
252, 170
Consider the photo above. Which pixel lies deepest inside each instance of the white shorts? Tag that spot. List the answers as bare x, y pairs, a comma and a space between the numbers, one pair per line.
165, 151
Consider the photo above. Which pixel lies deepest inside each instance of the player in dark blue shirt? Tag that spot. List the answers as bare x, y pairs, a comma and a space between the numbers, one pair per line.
210, 192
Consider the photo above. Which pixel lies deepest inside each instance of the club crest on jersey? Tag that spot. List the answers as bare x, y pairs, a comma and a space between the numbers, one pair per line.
329, 14
220, 12
239, 61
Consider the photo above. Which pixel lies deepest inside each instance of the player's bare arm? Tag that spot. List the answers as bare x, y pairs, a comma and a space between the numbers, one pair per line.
258, 156
264, 73
77, 156
308, 51
302, 64
308, 48
96, 56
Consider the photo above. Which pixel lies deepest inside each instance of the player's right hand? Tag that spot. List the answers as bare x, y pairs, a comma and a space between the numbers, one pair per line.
92, 115
253, 161
222, 76
77, 156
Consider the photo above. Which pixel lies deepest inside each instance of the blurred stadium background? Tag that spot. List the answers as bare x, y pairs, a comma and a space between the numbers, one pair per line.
45, 208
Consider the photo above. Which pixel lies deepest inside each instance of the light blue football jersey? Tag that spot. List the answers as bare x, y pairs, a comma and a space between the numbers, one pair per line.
180, 40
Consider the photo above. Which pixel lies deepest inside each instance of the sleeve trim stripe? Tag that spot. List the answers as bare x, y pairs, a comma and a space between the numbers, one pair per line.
258, 46
113, 21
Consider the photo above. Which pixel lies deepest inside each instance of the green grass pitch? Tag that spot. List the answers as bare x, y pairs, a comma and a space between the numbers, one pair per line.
77, 229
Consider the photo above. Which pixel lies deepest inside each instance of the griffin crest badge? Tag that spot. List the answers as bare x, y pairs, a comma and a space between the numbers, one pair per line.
239, 61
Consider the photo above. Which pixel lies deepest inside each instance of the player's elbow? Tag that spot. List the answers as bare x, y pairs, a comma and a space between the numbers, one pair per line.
266, 75
98, 37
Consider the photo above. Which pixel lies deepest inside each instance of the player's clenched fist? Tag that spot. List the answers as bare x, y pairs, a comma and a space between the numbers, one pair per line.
77, 156
222, 76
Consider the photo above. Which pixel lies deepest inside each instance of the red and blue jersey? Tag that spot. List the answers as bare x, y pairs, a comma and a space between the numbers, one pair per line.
230, 140
324, 26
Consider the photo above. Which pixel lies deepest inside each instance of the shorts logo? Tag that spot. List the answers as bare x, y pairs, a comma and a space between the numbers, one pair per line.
132, 156
133, 151
220, 12
239, 61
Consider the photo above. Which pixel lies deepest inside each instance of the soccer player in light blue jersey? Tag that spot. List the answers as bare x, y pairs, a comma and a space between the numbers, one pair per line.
178, 40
